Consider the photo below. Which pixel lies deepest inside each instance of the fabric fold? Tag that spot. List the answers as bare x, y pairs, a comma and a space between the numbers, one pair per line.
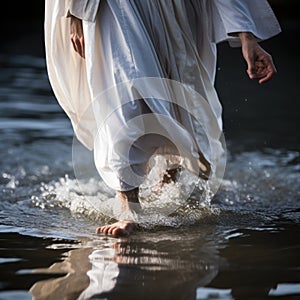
132, 49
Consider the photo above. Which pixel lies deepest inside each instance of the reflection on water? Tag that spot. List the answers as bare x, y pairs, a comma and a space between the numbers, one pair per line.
69, 286
212, 293
283, 289
144, 266
243, 245
207, 263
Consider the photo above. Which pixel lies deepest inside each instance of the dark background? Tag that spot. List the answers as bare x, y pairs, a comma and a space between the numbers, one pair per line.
255, 116
22, 25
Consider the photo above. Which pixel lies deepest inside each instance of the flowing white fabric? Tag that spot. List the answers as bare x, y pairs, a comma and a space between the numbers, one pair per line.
115, 98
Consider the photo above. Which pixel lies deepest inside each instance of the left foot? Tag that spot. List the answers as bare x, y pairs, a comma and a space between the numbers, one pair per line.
120, 228
130, 205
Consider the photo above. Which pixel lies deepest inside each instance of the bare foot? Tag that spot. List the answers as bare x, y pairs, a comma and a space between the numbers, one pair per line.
120, 228
130, 205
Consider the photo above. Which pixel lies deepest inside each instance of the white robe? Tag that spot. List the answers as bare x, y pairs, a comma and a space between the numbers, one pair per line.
129, 46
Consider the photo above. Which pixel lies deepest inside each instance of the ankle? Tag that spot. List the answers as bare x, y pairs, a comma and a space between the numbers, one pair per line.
131, 196
130, 207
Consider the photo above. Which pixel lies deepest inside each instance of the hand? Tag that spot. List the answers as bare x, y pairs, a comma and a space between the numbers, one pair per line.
260, 63
76, 34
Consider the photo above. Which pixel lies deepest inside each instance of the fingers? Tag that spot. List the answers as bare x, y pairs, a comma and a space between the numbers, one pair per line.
266, 77
267, 71
263, 71
251, 70
260, 64
261, 67
76, 35
78, 45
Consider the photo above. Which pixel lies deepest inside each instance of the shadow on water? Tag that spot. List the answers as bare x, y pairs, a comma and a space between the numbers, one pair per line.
244, 246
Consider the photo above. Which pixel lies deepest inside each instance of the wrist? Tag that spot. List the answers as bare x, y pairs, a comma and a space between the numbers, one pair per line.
246, 36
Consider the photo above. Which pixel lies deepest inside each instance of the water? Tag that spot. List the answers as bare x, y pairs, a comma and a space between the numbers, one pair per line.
243, 245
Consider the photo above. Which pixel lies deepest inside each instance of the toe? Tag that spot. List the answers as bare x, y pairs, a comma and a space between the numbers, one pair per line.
117, 229
111, 229
119, 232
99, 229
106, 229
103, 229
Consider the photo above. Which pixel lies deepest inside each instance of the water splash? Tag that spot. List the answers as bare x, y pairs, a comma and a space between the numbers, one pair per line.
263, 190
260, 183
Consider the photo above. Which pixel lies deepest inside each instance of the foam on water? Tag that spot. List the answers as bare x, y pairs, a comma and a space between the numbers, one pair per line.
257, 183
99, 203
